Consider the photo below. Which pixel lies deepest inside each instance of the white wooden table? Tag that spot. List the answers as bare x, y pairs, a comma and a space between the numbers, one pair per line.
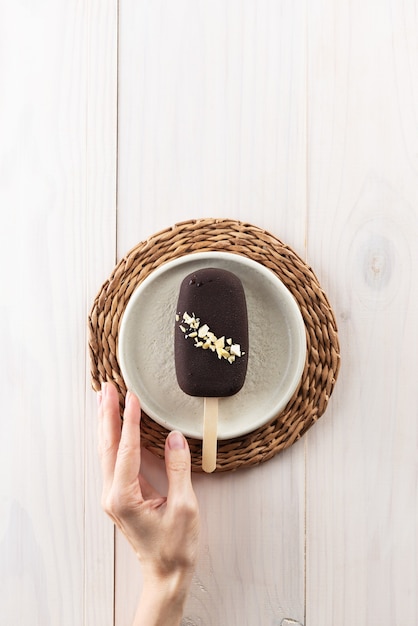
120, 118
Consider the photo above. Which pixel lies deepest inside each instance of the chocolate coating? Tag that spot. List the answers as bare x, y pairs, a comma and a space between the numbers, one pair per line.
217, 298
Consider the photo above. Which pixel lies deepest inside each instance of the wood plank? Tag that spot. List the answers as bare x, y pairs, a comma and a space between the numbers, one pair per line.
51, 224
100, 255
212, 122
212, 116
362, 551
43, 200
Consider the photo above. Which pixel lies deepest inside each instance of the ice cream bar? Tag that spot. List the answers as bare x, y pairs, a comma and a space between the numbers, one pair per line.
211, 334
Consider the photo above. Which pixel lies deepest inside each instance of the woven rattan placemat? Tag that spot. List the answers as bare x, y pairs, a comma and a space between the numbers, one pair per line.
323, 356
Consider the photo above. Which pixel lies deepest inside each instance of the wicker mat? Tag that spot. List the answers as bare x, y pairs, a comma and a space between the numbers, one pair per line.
323, 356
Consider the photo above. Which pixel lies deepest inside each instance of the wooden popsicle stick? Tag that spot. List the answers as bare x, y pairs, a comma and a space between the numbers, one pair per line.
210, 434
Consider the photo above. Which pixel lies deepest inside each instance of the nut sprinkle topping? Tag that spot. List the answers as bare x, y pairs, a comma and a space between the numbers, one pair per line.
207, 340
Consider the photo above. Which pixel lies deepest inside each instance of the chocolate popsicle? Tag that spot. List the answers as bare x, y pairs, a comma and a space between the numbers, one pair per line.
211, 337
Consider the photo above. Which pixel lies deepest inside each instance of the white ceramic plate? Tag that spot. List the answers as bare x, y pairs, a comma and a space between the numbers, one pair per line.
276, 355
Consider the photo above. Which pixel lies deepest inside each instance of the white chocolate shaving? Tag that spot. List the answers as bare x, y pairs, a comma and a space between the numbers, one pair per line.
203, 330
236, 349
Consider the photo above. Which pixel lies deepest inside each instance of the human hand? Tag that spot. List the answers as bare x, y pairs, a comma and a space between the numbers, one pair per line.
163, 531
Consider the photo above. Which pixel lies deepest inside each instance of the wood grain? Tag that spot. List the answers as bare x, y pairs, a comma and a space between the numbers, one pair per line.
362, 463
43, 197
100, 253
212, 116
56, 548
118, 119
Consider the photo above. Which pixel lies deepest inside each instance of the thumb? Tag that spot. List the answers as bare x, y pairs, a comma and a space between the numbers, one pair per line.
178, 465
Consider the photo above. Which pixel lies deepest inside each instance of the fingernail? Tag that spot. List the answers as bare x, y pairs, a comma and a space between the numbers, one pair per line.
127, 398
176, 441
99, 398
104, 387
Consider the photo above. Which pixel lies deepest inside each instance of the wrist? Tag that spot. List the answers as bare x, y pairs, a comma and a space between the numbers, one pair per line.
172, 587
162, 599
